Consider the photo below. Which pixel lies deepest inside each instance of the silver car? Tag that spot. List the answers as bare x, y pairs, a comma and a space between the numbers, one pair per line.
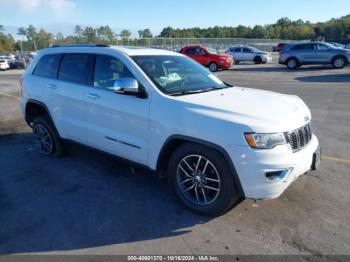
296, 55
248, 53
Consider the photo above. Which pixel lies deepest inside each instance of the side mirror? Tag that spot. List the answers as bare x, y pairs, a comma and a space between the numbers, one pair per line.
126, 86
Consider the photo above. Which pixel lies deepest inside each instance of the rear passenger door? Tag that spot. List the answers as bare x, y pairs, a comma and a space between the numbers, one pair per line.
67, 95
309, 53
116, 123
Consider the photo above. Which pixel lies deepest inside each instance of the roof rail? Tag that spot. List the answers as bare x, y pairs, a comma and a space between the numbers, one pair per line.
80, 45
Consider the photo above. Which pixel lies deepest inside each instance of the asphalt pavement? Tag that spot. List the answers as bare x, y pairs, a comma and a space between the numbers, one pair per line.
91, 203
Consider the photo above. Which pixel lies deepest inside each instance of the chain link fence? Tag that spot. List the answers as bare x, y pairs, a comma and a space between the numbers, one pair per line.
174, 44
216, 43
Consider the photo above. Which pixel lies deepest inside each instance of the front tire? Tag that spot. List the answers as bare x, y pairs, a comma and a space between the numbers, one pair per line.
339, 62
257, 60
213, 67
50, 143
202, 180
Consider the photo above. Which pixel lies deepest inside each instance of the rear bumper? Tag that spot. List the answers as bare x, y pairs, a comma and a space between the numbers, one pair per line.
252, 165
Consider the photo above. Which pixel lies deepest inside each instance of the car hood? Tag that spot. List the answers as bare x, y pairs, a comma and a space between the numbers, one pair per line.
261, 111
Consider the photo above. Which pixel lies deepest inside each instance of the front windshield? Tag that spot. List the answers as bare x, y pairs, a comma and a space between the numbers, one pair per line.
212, 51
178, 75
255, 49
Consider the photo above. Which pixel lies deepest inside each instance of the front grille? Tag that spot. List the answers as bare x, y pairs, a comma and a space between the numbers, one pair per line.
300, 137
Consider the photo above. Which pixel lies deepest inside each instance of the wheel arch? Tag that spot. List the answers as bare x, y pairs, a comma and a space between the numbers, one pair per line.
293, 57
35, 108
213, 61
341, 56
258, 57
175, 141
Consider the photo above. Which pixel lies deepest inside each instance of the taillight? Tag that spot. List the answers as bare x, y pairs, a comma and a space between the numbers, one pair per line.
21, 86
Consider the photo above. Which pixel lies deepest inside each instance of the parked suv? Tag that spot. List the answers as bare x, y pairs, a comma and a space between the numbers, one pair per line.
314, 53
248, 54
216, 143
208, 57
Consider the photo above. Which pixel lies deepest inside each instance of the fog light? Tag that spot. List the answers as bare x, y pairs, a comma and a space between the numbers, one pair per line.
276, 175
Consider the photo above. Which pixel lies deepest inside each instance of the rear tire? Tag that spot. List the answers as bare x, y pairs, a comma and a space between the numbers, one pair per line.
213, 67
50, 143
292, 63
202, 180
339, 62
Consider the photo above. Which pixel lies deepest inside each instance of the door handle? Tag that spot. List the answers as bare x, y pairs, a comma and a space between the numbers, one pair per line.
93, 96
52, 86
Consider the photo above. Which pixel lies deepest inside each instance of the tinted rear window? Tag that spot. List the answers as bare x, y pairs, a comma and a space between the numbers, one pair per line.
48, 66
303, 47
75, 68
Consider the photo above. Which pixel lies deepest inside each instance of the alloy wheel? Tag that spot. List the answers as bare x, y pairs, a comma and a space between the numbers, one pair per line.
44, 138
292, 63
198, 180
213, 67
339, 63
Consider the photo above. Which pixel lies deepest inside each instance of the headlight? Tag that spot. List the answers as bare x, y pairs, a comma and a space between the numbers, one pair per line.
265, 141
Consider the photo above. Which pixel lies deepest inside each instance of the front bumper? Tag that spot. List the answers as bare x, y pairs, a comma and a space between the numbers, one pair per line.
268, 59
252, 165
225, 64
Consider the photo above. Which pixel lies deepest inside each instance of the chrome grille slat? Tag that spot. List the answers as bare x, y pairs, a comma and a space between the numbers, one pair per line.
300, 137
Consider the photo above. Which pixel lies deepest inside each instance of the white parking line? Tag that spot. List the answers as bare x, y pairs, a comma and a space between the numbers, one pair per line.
11, 96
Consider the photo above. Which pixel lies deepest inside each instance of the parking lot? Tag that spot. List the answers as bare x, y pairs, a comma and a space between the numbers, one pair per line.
91, 203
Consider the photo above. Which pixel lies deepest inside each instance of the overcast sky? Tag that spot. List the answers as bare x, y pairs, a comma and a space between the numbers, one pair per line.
62, 15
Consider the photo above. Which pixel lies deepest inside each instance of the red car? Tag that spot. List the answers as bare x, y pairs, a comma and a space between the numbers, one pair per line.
208, 57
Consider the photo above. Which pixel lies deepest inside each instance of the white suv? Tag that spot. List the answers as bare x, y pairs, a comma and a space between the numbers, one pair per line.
216, 143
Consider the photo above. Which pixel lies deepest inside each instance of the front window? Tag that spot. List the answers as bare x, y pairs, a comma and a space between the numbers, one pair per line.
178, 75
324, 47
108, 70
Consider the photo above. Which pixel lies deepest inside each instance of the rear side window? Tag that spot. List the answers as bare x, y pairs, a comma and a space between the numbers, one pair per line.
48, 66
298, 47
75, 68
237, 50
304, 47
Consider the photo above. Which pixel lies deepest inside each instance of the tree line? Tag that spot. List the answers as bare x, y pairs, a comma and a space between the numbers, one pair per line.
284, 28
337, 30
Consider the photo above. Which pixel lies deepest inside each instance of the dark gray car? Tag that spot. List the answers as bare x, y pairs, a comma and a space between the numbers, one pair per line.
296, 55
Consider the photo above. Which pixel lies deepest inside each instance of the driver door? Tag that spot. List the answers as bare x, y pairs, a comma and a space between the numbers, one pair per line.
116, 123
202, 56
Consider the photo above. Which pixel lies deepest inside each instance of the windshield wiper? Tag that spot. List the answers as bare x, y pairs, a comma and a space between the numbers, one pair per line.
189, 92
